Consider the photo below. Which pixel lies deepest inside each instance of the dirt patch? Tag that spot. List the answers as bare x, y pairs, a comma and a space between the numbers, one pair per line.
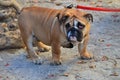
104, 44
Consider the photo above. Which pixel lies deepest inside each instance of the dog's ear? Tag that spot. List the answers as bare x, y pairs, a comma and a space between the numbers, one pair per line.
62, 19
89, 17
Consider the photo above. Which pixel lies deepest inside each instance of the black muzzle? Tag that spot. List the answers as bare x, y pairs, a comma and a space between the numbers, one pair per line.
74, 35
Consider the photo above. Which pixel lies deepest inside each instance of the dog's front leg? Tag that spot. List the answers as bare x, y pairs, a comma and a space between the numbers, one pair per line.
31, 52
56, 53
82, 48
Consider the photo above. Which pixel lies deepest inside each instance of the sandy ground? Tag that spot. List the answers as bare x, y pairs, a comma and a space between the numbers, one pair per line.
104, 44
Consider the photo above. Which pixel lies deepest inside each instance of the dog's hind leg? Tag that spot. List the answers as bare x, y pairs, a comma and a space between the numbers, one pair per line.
42, 47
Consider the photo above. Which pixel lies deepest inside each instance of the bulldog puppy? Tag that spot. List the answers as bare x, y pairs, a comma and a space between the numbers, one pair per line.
55, 27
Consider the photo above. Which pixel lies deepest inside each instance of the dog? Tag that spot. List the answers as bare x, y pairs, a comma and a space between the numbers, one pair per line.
65, 27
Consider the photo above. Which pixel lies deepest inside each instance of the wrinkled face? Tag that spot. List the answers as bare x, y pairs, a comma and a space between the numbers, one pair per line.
74, 25
74, 30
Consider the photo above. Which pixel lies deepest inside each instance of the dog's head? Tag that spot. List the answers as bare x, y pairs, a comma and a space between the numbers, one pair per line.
75, 24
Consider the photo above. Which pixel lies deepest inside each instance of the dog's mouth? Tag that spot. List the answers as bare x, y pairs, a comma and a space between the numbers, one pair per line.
72, 39
74, 35
72, 42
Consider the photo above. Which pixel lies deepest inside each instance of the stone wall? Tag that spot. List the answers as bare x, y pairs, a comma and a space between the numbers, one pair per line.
9, 30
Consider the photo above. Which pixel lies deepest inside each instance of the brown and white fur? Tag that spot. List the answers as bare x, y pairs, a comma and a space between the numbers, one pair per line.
49, 27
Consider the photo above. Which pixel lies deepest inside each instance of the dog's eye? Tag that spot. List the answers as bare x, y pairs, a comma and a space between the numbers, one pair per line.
80, 25
67, 26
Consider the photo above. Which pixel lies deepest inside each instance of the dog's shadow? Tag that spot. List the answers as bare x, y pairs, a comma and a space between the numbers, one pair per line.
22, 67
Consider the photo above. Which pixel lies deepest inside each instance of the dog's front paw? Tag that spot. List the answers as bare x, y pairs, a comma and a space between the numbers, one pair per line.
35, 59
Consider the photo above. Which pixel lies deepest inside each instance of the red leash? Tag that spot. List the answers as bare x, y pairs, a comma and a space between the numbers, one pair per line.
98, 9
